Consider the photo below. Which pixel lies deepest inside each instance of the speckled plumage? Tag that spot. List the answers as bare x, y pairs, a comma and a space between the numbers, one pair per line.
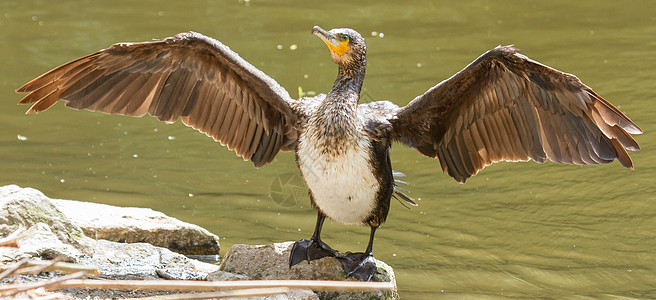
335, 149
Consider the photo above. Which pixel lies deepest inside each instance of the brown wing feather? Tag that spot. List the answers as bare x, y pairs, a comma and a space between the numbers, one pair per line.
188, 76
507, 107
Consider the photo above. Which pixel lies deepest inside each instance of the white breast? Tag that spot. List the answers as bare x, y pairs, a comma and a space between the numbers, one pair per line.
343, 185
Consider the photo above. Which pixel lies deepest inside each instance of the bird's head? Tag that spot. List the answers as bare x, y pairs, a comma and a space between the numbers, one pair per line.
347, 46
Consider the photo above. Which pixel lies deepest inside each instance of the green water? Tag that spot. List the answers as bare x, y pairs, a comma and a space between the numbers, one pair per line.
517, 230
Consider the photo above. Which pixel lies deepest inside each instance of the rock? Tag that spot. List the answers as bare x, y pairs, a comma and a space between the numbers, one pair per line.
297, 294
139, 225
144, 261
28, 207
225, 276
272, 262
41, 241
51, 234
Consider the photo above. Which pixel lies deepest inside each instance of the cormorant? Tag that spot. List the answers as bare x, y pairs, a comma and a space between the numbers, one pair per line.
503, 106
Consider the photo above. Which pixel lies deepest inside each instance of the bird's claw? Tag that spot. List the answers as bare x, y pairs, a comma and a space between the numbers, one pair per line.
362, 266
309, 250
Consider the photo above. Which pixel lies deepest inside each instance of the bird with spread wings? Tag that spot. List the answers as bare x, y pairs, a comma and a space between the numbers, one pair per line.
503, 106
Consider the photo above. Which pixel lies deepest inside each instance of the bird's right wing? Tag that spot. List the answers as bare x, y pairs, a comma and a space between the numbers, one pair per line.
506, 106
188, 75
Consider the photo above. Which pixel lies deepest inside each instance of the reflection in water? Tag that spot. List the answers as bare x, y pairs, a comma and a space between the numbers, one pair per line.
518, 230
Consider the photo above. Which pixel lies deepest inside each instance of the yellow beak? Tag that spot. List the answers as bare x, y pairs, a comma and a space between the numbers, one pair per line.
334, 44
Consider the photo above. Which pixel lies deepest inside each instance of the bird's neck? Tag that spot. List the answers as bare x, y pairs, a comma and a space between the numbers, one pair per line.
336, 117
347, 86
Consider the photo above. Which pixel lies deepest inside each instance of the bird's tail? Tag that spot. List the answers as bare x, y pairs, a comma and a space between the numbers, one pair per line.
400, 192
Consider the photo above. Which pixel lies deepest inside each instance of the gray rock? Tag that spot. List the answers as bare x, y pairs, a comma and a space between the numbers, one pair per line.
225, 276
28, 207
139, 225
40, 241
51, 234
297, 294
144, 261
272, 262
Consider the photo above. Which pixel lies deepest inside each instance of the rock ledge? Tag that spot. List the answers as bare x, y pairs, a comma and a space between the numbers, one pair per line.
134, 243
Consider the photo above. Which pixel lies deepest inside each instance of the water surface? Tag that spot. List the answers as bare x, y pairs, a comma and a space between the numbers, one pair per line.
516, 230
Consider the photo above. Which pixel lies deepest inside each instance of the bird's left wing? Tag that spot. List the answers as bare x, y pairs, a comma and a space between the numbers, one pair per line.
507, 107
188, 76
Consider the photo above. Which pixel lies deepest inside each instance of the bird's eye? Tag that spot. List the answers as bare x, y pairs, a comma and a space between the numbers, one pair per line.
345, 38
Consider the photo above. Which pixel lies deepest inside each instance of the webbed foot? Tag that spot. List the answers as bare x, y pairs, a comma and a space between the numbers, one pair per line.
362, 266
309, 250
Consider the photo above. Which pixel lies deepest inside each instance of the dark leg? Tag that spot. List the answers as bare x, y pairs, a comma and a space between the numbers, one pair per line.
362, 266
311, 249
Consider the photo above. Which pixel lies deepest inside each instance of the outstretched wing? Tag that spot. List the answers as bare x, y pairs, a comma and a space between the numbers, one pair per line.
188, 75
506, 107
